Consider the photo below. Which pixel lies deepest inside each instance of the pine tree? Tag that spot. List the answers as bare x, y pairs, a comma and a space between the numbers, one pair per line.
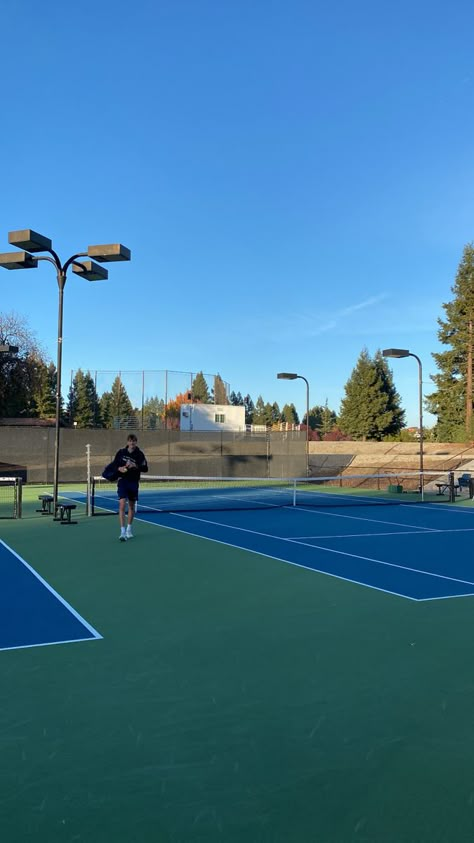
118, 408
236, 399
289, 414
44, 390
220, 392
105, 404
394, 415
200, 389
328, 419
153, 413
259, 413
83, 402
370, 408
275, 413
321, 418
249, 409
452, 401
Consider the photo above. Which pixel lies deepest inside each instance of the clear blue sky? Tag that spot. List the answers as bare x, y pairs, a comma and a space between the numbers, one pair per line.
295, 181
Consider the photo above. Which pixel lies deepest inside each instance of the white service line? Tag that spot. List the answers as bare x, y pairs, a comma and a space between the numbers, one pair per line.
372, 520
324, 549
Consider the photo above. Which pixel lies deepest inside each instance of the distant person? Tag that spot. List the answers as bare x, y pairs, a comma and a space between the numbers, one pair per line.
130, 462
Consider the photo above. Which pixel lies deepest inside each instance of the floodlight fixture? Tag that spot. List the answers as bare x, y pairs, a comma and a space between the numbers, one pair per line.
18, 260
30, 240
396, 352
8, 349
109, 252
90, 271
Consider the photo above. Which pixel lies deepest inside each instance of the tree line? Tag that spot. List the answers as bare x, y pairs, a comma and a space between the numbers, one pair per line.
370, 409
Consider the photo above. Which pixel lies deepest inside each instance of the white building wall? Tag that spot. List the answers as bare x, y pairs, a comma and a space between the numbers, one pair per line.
212, 417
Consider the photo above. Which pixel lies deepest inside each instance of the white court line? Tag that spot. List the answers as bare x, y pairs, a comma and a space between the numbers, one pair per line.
64, 602
324, 549
316, 547
420, 532
363, 518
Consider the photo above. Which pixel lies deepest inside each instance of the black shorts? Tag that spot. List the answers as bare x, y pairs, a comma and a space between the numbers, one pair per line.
127, 489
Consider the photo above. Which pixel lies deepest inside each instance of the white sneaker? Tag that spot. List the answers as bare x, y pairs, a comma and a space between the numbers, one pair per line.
122, 537
129, 534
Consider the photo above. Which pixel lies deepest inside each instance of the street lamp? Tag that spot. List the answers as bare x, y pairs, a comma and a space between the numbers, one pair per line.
30, 243
291, 376
403, 352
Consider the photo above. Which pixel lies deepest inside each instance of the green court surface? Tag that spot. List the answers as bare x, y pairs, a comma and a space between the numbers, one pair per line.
232, 698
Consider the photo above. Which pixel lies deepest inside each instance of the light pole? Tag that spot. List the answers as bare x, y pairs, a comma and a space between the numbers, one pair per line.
403, 352
30, 242
291, 376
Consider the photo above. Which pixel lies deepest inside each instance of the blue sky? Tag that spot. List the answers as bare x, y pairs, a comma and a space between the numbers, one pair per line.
295, 181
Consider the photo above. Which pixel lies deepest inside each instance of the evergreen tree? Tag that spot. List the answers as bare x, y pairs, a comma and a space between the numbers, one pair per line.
321, 418
249, 409
44, 390
259, 413
289, 414
117, 409
220, 392
370, 408
236, 399
83, 402
200, 389
105, 404
268, 410
395, 416
275, 413
452, 401
153, 413
328, 419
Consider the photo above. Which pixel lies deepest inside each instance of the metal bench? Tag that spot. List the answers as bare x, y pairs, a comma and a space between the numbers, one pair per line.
445, 487
46, 504
65, 510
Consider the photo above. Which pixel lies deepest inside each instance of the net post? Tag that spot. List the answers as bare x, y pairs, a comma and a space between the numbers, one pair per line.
88, 489
451, 486
294, 492
19, 498
91, 499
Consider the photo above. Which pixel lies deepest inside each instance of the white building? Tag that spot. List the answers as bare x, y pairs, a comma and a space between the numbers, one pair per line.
212, 417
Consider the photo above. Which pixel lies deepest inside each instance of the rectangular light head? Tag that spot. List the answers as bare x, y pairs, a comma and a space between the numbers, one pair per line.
396, 352
8, 349
286, 376
18, 260
30, 240
90, 271
109, 252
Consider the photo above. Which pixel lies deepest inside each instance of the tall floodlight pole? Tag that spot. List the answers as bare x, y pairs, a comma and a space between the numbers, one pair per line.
30, 243
291, 376
404, 352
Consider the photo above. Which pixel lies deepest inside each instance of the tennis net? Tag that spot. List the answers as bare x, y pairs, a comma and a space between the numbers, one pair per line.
10, 497
198, 494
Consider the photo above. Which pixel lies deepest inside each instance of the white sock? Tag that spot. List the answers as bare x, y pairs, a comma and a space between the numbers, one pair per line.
122, 531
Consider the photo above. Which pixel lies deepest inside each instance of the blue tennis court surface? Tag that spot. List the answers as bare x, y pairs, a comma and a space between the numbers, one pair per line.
422, 552
31, 612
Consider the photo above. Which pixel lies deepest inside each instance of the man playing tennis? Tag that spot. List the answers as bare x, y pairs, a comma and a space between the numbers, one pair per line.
130, 462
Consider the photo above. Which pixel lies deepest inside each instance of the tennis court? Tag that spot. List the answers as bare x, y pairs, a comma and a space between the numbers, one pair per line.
280, 673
